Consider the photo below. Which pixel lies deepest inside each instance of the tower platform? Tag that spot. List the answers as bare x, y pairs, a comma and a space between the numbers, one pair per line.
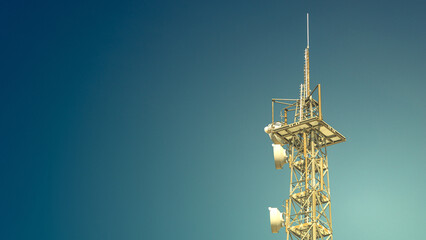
331, 135
302, 229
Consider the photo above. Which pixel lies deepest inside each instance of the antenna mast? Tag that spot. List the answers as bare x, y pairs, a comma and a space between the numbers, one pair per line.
307, 27
307, 80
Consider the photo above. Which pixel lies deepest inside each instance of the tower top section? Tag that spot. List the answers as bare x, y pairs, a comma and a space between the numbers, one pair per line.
306, 111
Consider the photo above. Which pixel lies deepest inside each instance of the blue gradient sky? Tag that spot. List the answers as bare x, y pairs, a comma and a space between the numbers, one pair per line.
144, 120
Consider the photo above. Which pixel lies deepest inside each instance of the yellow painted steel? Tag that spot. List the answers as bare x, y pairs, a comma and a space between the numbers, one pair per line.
319, 102
305, 159
322, 174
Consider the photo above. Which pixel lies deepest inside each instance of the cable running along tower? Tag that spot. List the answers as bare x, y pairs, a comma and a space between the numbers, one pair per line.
303, 145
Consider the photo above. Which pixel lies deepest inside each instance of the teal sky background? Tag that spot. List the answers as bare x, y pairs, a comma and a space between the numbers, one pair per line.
144, 119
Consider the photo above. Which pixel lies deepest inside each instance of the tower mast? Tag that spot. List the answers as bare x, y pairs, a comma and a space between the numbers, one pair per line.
307, 80
303, 145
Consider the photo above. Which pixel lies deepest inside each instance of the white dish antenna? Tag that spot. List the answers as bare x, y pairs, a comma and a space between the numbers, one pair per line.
277, 221
280, 156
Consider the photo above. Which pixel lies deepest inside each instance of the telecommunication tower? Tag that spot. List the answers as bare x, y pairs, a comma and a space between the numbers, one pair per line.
303, 145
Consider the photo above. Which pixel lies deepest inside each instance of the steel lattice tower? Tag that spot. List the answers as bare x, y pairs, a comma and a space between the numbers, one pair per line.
303, 145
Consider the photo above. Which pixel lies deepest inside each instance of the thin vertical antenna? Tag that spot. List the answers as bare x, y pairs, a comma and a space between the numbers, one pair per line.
307, 80
307, 27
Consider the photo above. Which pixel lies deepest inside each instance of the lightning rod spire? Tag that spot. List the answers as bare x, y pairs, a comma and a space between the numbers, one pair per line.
307, 89
307, 27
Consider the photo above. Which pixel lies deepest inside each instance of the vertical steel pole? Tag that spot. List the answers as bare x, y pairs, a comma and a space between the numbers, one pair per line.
314, 215
285, 116
322, 174
306, 163
313, 160
287, 216
319, 101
